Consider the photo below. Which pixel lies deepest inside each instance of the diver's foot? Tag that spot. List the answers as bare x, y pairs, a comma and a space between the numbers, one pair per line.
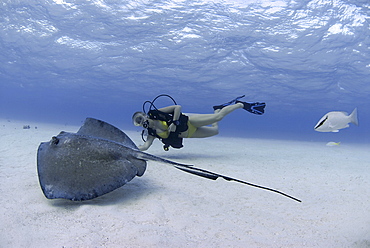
228, 103
257, 108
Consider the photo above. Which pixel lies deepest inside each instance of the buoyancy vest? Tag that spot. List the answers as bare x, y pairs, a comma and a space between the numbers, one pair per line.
173, 138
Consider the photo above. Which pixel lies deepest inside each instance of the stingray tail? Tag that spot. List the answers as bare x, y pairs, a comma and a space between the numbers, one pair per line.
146, 156
203, 173
214, 176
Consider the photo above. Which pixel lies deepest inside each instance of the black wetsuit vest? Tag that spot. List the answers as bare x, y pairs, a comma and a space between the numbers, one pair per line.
173, 138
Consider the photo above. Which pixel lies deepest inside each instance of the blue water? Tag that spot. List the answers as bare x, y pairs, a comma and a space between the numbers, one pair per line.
64, 60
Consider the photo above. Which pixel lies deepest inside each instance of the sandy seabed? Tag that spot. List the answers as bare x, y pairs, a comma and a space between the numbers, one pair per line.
170, 208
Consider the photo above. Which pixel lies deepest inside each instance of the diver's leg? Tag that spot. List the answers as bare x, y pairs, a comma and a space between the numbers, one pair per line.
203, 132
228, 103
201, 120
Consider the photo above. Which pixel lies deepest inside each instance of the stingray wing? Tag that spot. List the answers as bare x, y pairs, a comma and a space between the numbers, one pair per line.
79, 167
103, 130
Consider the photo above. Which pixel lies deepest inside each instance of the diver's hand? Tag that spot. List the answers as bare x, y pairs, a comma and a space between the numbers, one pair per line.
147, 144
172, 127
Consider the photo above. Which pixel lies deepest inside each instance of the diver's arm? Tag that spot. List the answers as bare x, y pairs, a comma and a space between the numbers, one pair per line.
147, 143
176, 111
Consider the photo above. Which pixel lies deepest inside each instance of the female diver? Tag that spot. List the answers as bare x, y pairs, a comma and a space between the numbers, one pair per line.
170, 126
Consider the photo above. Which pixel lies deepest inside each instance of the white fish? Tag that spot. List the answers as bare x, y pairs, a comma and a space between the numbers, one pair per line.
332, 143
333, 121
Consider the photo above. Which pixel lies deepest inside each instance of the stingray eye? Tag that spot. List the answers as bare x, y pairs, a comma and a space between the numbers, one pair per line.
54, 140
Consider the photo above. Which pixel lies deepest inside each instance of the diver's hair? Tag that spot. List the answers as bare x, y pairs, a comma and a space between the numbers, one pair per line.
135, 115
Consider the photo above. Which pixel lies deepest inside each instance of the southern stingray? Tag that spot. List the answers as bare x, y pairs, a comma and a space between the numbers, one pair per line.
98, 159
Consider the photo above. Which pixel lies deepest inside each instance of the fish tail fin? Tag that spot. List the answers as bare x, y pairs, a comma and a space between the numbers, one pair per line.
353, 116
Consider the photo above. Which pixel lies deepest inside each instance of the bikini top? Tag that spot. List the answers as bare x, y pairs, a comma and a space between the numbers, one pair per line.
164, 134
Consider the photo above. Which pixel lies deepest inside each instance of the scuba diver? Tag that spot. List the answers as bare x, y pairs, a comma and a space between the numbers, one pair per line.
170, 125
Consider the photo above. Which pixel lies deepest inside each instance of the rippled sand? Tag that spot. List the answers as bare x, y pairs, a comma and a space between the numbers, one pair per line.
169, 208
